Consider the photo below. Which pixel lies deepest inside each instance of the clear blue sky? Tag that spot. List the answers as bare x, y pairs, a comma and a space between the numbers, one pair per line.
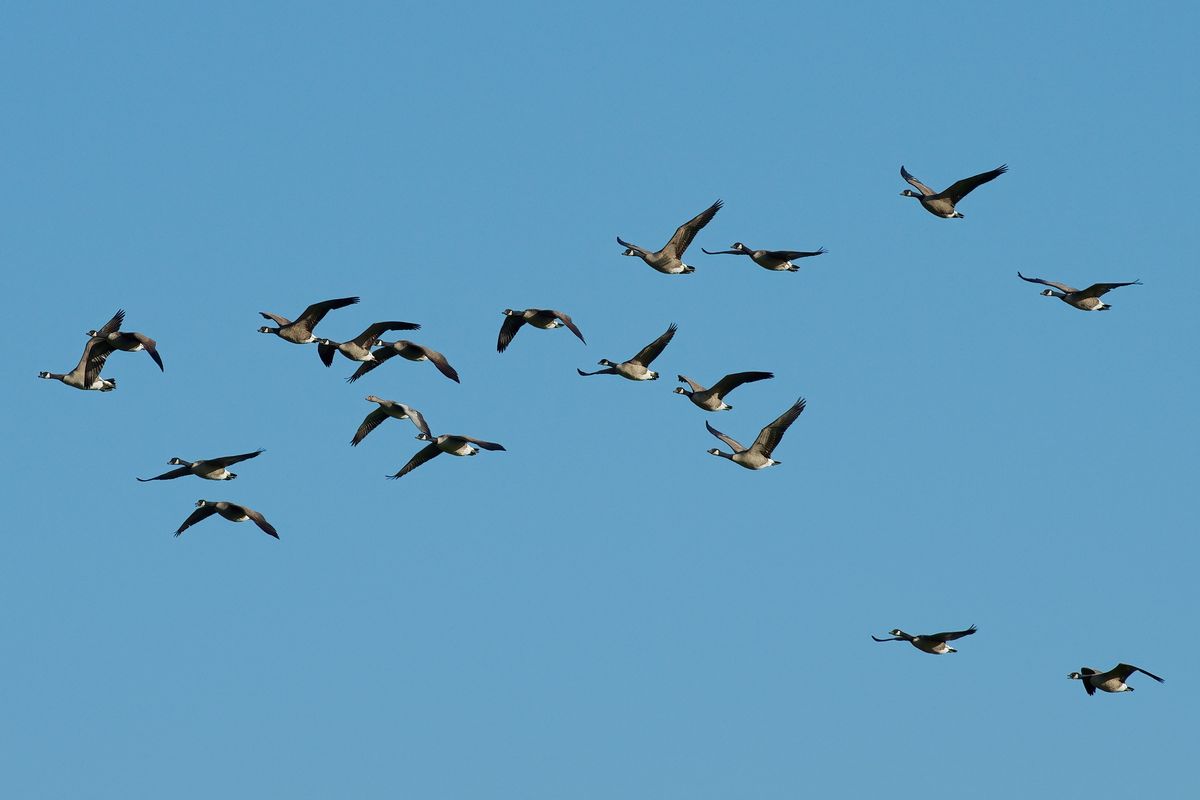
602, 611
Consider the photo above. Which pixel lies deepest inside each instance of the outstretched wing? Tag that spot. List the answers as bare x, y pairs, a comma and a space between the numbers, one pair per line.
370, 423
949, 636
1098, 289
95, 353
261, 521
695, 386
734, 444
605, 371
570, 325
723, 252
113, 325
655, 348
225, 461
424, 454
893, 639
1062, 287
326, 351
731, 382
439, 361
791, 255
417, 418
688, 230
201, 513
169, 476
482, 443
278, 320
640, 251
770, 436
922, 188
508, 329
960, 189
368, 337
381, 355
1125, 670
151, 347
317, 311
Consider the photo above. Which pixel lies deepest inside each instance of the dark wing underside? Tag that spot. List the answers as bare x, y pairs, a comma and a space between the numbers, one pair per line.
368, 337
731, 382
652, 351
225, 461
202, 513
790, 255
95, 353
381, 355
686, 232
113, 325
424, 454
770, 436
1062, 287
567, 321
960, 189
1099, 289
949, 636
169, 476
920, 187
317, 311
508, 329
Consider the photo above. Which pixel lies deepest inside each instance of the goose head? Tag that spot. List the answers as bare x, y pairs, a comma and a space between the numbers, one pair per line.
1048, 293
508, 312
178, 462
604, 362
203, 503
739, 247
373, 399
425, 437
93, 333
653, 376
900, 633
629, 252
683, 391
909, 193
45, 375
1075, 676
268, 329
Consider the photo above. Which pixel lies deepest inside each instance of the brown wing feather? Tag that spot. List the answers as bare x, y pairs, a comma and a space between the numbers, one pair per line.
570, 325
1062, 287
317, 311
731, 382
655, 348
922, 188
770, 436
1100, 289
734, 444
508, 329
424, 454
202, 513
688, 230
960, 189
113, 325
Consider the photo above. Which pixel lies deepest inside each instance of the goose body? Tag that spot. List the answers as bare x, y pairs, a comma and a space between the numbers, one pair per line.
942, 204
774, 260
301, 330
86, 375
669, 259
446, 443
544, 318
758, 455
932, 643
127, 341
714, 399
1084, 299
211, 469
359, 348
387, 408
638, 367
1111, 681
410, 351
230, 511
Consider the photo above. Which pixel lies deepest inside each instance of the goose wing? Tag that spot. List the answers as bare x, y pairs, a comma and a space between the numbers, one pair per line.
508, 329
960, 189
225, 461
1098, 289
949, 636
151, 347
570, 325
382, 354
770, 436
368, 337
655, 348
261, 521
113, 325
439, 361
326, 351
317, 311
922, 188
278, 320
169, 476
734, 444
605, 371
1125, 670
424, 454
892, 639
736, 379
201, 513
790, 255
723, 252
688, 230
370, 423
482, 443
640, 251
95, 353
1062, 287
695, 386
417, 418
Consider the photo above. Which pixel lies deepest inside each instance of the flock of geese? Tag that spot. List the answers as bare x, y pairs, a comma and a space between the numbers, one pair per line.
370, 351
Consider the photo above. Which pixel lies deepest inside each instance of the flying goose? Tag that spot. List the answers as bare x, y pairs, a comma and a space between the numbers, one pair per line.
543, 318
934, 643
230, 511
775, 260
86, 374
127, 341
358, 348
446, 443
408, 350
1085, 300
941, 204
714, 399
212, 469
635, 369
300, 331
668, 258
387, 408
758, 455
1111, 681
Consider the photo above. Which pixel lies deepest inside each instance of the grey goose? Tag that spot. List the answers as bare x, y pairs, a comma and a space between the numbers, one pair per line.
127, 341
230, 511
636, 368
941, 204
387, 408
359, 348
1086, 299
446, 443
1111, 681
934, 643
774, 260
86, 374
543, 318
301, 331
212, 469
410, 351
714, 399
758, 455
669, 259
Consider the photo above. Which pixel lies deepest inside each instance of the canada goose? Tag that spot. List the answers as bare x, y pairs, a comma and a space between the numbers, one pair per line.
714, 399
212, 469
758, 455
358, 348
86, 374
635, 369
668, 259
941, 204
127, 341
454, 445
1111, 681
230, 511
543, 318
300, 331
774, 260
387, 408
408, 350
934, 643
1085, 300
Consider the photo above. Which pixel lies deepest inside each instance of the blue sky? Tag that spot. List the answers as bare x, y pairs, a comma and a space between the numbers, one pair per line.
603, 610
